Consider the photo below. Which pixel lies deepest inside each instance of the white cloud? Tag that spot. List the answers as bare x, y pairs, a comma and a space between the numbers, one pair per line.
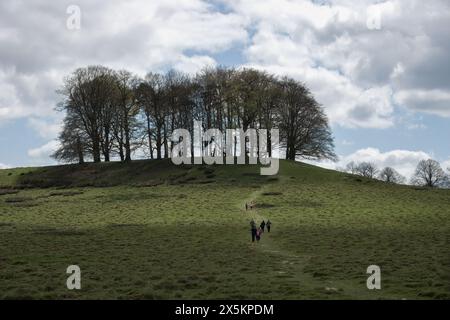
194, 64
46, 129
404, 161
353, 71
41, 155
38, 50
446, 165
429, 101
28, 94
4, 166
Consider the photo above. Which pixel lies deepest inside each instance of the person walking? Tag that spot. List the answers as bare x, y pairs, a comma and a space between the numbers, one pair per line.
262, 225
253, 229
268, 224
258, 234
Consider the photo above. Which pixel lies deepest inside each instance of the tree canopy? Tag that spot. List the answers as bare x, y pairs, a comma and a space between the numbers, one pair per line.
111, 113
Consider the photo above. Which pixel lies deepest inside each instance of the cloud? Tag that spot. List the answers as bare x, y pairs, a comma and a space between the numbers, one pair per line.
429, 101
359, 75
45, 128
194, 64
4, 166
38, 50
446, 165
41, 155
404, 161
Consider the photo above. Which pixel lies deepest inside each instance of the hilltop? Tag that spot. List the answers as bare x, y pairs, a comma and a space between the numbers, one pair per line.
152, 230
152, 173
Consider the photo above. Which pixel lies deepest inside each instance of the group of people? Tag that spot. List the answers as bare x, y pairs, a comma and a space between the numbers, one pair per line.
250, 205
258, 231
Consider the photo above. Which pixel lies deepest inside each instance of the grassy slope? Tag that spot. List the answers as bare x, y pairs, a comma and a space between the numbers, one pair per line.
155, 231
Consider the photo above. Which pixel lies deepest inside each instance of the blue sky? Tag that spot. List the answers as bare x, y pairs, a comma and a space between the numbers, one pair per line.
383, 81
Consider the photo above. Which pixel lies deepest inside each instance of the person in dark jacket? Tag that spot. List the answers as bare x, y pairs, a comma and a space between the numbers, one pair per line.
268, 224
262, 225
253, 229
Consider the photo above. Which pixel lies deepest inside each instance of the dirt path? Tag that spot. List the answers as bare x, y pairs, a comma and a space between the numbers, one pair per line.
266, 244
290, 263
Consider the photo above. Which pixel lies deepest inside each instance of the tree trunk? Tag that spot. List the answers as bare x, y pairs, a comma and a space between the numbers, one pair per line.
127, 139
158, 143
96, 149
166, 147
106, 147
149, 134
80, 151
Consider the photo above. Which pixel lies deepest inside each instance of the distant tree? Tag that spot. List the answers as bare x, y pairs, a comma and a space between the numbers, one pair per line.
429, 173
367, 169
390, 175
351, 167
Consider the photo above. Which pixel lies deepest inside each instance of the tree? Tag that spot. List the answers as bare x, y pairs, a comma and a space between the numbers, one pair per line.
367, 169
73, 142
126, 112
352, 167
390, 175
87, 94
150, 95
429, 173
304, 127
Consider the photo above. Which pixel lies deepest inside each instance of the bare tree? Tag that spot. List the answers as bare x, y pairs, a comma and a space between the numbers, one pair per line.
367, 169
429, 173
352, 167
390, 175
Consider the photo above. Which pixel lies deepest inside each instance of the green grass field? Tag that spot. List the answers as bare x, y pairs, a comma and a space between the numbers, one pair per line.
149, 230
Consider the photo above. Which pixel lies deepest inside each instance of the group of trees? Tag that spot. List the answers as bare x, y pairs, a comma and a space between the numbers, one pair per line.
428, 173
109, 114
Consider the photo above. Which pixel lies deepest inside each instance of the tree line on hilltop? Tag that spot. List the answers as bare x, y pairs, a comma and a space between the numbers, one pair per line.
110, 114
428, 173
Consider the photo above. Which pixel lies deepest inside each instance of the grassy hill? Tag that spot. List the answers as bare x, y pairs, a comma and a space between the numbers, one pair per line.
151, 230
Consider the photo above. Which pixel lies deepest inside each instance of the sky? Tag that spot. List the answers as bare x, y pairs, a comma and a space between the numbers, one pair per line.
380, 69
